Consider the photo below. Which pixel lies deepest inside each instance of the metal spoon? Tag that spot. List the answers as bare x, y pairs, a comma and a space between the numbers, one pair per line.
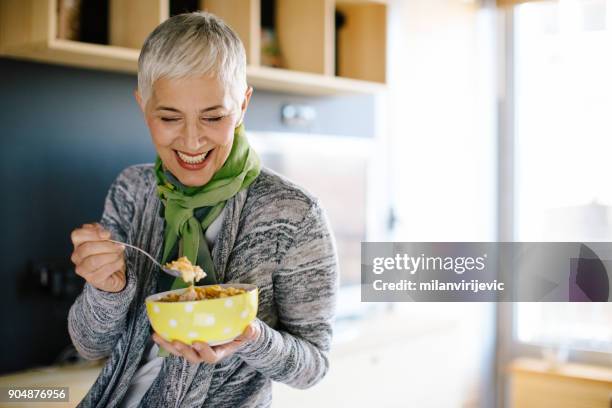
173, 272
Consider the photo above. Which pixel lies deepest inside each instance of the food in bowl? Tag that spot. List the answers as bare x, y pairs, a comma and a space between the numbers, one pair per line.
217, 319
189, 272
202, 293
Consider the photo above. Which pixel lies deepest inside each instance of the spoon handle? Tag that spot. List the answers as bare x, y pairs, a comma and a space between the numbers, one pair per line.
138, 249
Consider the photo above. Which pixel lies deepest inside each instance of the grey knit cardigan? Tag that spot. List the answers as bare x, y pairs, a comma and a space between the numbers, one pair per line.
274, 235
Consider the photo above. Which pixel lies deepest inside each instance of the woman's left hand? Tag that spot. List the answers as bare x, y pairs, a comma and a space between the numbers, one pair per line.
200, 352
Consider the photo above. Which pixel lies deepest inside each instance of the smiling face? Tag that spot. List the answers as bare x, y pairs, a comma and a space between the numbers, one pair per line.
192, 122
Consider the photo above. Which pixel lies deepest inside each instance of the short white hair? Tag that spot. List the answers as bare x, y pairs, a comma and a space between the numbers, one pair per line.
193, 44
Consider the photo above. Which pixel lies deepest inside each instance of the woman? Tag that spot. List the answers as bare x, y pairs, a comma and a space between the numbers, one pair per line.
208, 199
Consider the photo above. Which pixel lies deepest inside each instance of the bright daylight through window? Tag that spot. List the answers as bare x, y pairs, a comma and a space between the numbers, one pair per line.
563, 100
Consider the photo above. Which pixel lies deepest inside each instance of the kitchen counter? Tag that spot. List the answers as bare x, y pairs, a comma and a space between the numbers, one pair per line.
535, 384
79, 378
378, 349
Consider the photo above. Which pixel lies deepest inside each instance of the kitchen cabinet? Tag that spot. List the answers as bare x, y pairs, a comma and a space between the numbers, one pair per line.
328, 46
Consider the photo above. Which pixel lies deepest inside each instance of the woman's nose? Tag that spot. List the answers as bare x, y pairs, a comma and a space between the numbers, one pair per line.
194, 138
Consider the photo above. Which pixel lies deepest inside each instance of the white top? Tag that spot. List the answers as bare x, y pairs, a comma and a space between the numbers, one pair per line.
151, 364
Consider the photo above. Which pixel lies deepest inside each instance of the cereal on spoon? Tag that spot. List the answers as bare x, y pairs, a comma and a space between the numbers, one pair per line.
191, 273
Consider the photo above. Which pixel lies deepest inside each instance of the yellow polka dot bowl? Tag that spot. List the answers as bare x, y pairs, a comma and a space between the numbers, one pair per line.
214, 321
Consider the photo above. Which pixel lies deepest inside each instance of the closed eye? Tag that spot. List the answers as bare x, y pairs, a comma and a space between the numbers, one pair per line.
216, 119
169, 119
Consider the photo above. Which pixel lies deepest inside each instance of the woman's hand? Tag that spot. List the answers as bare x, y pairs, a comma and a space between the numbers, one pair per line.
200, 352
99, 262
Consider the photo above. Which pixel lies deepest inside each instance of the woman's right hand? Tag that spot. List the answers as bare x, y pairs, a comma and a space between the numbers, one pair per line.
100, 262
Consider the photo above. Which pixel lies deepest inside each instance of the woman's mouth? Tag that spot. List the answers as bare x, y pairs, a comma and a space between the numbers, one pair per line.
193, 161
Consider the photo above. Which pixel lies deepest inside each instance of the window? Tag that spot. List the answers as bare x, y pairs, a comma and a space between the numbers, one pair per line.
563, 152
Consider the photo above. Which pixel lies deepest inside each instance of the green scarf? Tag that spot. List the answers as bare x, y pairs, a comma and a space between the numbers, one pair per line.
238, 172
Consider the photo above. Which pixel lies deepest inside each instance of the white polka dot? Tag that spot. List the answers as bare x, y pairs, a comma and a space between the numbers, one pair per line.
204, 319
229, 303
189, 307
172, 323
193, 335
244, 314
227, 330
156, 308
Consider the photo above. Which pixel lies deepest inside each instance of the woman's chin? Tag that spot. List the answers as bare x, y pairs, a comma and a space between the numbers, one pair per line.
194, 180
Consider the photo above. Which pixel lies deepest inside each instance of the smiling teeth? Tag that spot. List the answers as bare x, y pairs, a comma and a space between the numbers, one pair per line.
192, 159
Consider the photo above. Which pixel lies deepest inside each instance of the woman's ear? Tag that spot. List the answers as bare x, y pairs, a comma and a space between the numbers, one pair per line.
139, 100
245, 104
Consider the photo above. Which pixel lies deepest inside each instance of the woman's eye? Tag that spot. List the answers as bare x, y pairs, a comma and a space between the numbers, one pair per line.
169, 119
216, 119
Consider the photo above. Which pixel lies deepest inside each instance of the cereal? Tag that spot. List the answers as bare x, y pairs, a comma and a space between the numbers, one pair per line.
202, 293
190, 273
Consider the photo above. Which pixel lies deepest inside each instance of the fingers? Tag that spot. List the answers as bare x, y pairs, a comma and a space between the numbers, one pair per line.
188, 352
117, 281
249, 333
180, 349
89, 248
99, 265
227, 349
89, 232
205, 352
111, 275
166, 345
217, 353
201, 352
198, 352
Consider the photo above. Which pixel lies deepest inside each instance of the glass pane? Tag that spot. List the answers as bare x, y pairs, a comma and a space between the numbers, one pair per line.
563, 169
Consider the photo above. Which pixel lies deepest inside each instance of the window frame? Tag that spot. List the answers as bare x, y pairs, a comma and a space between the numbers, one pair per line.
508, 345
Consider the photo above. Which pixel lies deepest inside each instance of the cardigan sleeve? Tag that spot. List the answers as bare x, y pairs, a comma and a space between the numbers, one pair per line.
97, 318
305, 289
